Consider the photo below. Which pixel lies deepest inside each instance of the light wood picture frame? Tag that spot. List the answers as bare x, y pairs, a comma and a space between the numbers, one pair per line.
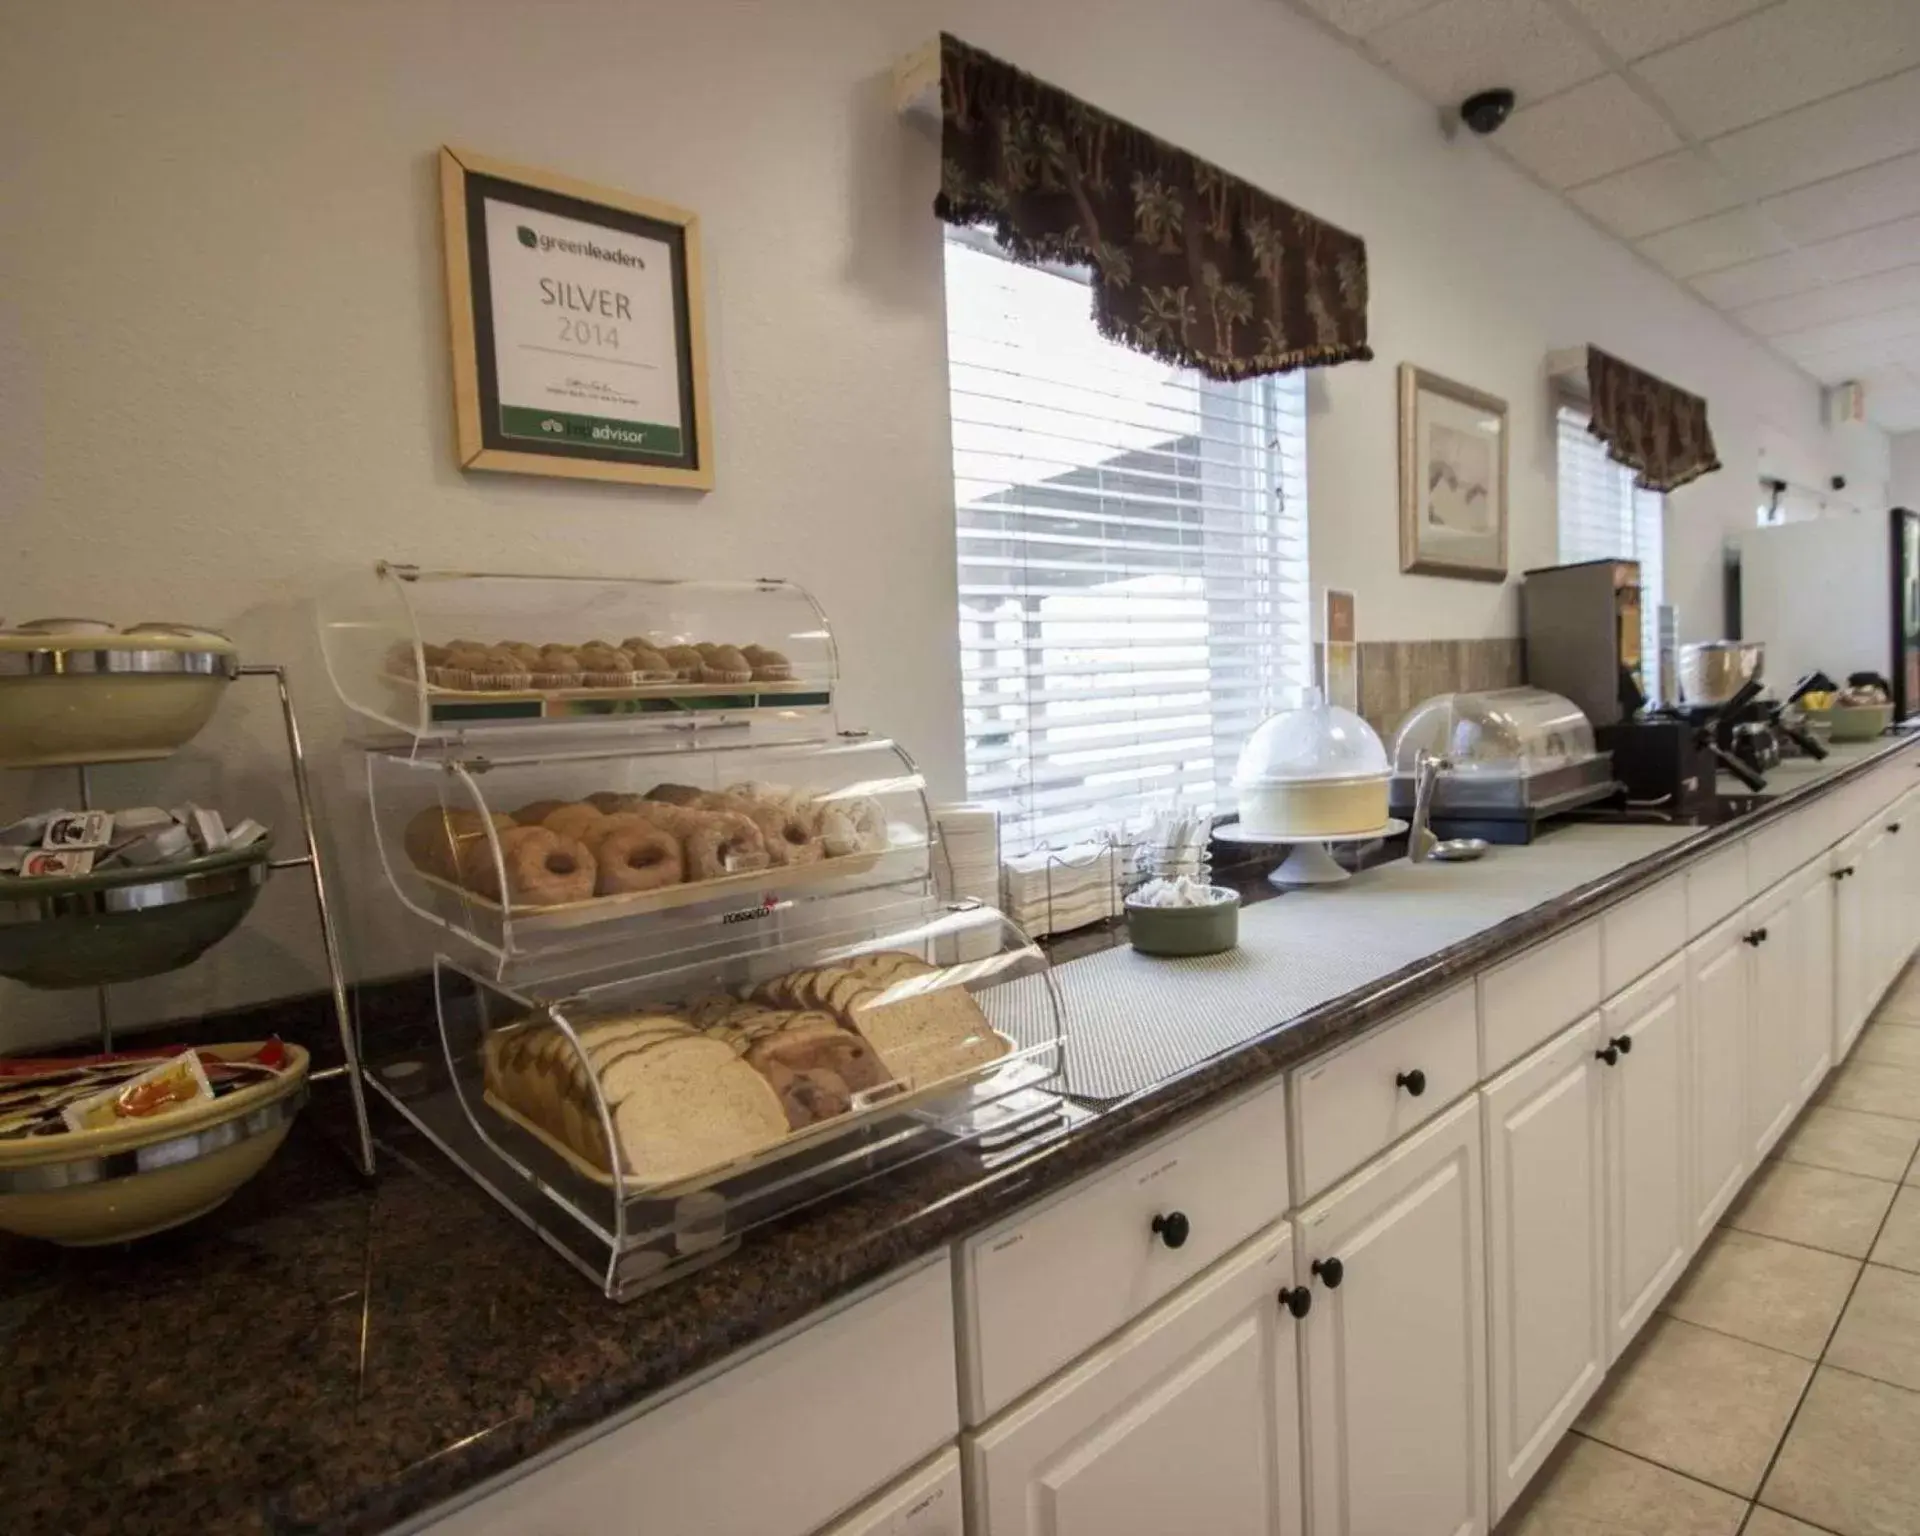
578, 327
1453, 478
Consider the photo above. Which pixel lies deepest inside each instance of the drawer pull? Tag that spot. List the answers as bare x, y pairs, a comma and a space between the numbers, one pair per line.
1843, 871
1415, 1082
1623, 1044
1893, 826
1172, 1228
1298, 1301
1609, 1055
1330, 1272
1754, 939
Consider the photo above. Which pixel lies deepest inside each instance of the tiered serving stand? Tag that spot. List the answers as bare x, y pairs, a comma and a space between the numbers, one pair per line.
506, 965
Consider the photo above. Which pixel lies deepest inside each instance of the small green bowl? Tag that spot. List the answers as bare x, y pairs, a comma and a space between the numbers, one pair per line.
1179, 931
124, 924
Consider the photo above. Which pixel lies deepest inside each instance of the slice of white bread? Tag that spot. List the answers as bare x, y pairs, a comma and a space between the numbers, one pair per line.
684, 1105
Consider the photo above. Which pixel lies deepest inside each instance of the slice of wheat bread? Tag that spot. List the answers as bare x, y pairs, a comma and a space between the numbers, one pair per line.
926, 1036
688, 1104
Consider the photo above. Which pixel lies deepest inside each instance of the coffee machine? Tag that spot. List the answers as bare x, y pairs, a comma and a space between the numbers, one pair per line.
1581, 627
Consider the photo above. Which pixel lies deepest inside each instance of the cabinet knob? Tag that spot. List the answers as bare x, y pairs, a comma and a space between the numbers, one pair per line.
1172, 1228
1415, 1082
1623, 1044
1330, 1272
1609, 1055
1755, 939
1298, 1300
1893, 826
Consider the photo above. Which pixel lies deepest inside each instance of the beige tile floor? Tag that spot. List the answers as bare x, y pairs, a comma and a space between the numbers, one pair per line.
1778, 1391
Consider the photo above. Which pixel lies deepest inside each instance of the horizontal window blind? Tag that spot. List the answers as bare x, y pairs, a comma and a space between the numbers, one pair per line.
1132, 544
1603, 516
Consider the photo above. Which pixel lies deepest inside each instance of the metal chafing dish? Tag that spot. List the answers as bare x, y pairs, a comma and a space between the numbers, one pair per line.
1510, 758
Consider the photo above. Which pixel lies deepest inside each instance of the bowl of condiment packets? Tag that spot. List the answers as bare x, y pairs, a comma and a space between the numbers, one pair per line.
105, 1148
1183, 917
93, 897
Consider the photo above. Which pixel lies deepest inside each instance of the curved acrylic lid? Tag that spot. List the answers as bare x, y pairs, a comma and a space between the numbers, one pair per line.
1313, 741
1502, 732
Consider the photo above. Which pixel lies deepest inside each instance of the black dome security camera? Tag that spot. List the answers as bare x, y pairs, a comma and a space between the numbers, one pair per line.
1485, 111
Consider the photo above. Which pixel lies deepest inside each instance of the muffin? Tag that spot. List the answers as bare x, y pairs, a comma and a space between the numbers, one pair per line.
558, 667
649, 665
686, 662
725, 664
529, 654
604, 666
769, 666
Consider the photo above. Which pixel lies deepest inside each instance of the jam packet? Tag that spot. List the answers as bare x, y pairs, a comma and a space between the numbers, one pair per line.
78, 829
172, 1085
57, 861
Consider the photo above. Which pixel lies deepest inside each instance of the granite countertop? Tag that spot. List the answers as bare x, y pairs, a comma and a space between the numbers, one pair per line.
326, 1356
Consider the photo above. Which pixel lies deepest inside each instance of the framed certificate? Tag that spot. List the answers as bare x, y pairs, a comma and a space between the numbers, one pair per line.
579, 347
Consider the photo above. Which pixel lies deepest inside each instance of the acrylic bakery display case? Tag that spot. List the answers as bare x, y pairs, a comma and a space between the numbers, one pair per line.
1513, 757
694, 967
437, 653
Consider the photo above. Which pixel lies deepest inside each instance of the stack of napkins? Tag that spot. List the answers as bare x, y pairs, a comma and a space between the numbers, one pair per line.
970, 836
1056, 890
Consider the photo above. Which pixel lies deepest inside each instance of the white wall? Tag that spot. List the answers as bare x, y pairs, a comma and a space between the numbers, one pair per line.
223, 375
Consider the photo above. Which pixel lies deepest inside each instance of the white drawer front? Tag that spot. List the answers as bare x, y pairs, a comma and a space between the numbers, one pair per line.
884, 1365
1716, 886
1349, 1104
926, 1502
1641, 932
1053, 1282
1532, 996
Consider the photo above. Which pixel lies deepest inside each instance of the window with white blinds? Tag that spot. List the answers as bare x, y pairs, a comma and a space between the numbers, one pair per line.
1603, 516
1132, 558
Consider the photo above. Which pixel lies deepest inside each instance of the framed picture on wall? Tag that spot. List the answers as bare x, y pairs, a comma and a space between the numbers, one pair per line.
1453, 478
579, 343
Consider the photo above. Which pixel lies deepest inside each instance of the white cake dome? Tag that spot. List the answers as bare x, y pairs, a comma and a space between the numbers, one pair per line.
1312, 770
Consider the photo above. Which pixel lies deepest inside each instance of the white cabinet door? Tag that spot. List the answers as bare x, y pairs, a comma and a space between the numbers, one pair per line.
1812, 934
1546, 1246
1716, 1086
1883, 879
1773, 1035
1852, 984
1187, 1421
1396, 1347
1644, 1061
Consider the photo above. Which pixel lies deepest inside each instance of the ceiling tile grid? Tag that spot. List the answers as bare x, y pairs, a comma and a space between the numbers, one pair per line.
1764, 152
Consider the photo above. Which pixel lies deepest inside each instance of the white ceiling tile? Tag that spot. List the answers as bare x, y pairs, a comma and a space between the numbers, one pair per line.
1706, 244
1780, 58
1875, 122
1859, 254
1587, 132
1675, 189
1357, 18
1632, 28
1890, 190
1461, 46
1863, 298
1891, 326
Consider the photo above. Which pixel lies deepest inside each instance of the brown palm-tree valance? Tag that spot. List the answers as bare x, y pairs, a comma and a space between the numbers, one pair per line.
1190, 264
1655, 429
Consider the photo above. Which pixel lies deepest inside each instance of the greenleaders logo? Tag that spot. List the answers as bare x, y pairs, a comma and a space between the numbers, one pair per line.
533, 240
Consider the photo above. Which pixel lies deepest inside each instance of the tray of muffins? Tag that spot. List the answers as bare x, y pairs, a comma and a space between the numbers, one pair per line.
678, 1097
612, 854
634, 667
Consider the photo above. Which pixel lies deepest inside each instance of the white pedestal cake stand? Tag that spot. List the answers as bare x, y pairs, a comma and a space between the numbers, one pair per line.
1309, 863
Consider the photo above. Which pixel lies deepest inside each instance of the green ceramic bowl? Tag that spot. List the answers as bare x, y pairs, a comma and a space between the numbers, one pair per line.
1179, 931
1859, 722
124, 924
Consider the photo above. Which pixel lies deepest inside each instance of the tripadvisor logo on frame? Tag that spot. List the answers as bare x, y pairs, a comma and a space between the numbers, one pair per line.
533, 240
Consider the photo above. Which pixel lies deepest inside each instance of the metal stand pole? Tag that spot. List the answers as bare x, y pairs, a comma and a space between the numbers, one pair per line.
102, 1009
329, 937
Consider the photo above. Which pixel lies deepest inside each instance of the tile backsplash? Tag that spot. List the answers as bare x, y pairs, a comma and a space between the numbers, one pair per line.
1395, 675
